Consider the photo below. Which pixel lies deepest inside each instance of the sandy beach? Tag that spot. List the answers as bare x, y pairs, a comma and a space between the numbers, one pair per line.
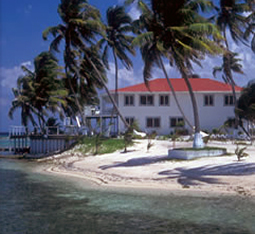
139, 168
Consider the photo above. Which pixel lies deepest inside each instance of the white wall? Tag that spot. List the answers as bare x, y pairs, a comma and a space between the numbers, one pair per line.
210, 116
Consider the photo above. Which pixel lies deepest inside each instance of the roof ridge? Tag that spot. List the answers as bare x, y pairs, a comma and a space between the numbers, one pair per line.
161, 85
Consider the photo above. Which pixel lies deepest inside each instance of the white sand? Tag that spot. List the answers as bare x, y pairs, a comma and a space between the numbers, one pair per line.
140, 168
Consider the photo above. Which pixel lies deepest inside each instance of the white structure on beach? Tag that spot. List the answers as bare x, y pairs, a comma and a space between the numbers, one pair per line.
155, 109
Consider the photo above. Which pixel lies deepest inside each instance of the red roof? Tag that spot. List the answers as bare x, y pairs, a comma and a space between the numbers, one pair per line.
198, 84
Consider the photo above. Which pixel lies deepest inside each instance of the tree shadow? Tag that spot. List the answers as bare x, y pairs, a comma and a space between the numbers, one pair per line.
205, 174
134, 162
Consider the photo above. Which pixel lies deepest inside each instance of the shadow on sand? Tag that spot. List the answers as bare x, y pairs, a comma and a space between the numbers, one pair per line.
134, 162
205, 174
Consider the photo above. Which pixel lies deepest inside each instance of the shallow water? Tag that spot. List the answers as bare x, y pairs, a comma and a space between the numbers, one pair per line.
31, 202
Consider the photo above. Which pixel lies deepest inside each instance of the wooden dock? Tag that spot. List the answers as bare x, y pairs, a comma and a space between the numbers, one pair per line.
38, 143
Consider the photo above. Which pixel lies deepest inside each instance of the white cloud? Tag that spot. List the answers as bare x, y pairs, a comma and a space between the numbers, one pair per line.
134, 12
126, 77
9, 76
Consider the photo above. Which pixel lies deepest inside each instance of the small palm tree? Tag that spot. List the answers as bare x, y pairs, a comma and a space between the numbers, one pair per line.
22, 100
230, 64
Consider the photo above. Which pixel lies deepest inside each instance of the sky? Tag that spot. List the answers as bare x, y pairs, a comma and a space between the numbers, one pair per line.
22, 23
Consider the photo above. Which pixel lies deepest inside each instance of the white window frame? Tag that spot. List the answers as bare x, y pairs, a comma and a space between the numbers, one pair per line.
177, 120
129, 97
146, 99
228, 100
164, 96
209, 101
153, 122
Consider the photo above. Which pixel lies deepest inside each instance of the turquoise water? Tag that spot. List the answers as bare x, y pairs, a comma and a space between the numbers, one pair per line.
4, 141
37, 203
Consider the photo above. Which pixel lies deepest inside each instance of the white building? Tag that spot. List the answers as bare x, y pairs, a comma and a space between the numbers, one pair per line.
155, 108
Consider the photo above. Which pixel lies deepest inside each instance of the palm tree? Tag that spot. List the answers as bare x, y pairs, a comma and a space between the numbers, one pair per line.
50, 92
81, 24
231, 62
152, 51
245, 108
230, 17
39, 91
187, 38
117, 38
23, 95
249, 31
86, 87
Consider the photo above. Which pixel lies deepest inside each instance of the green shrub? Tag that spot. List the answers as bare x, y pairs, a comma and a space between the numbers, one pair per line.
240, 153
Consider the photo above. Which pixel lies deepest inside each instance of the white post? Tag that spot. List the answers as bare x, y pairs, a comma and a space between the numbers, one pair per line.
198, 141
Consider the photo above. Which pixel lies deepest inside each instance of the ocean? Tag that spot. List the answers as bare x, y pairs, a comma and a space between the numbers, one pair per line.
32, 202
4, 140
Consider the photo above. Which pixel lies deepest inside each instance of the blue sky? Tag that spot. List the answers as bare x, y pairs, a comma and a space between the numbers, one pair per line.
21, 25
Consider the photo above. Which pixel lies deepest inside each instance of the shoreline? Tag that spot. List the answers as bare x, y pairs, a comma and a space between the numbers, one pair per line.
139, 169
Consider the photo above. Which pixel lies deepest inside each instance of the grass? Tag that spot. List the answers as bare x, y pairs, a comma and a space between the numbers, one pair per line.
200, 149
105, 145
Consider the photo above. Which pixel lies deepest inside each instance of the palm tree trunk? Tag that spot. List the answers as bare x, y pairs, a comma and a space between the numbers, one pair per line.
67, 51
116, 78
108, 93
116, 98
174, 94
74, 94
198, 141
232, 83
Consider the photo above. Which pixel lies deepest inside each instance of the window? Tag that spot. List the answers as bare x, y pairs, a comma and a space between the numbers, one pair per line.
176, 122
228, 100
164, 100
129, 100
130, 120
153, 122
208, 100
146, 100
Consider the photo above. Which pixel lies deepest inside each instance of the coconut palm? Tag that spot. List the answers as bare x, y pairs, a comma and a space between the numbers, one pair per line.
49, 90
41, 89
80, 25
249, 31
187, 38
22, 100
117, 28
245, 108
230, 17
231, 61
230, 64
152, 51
